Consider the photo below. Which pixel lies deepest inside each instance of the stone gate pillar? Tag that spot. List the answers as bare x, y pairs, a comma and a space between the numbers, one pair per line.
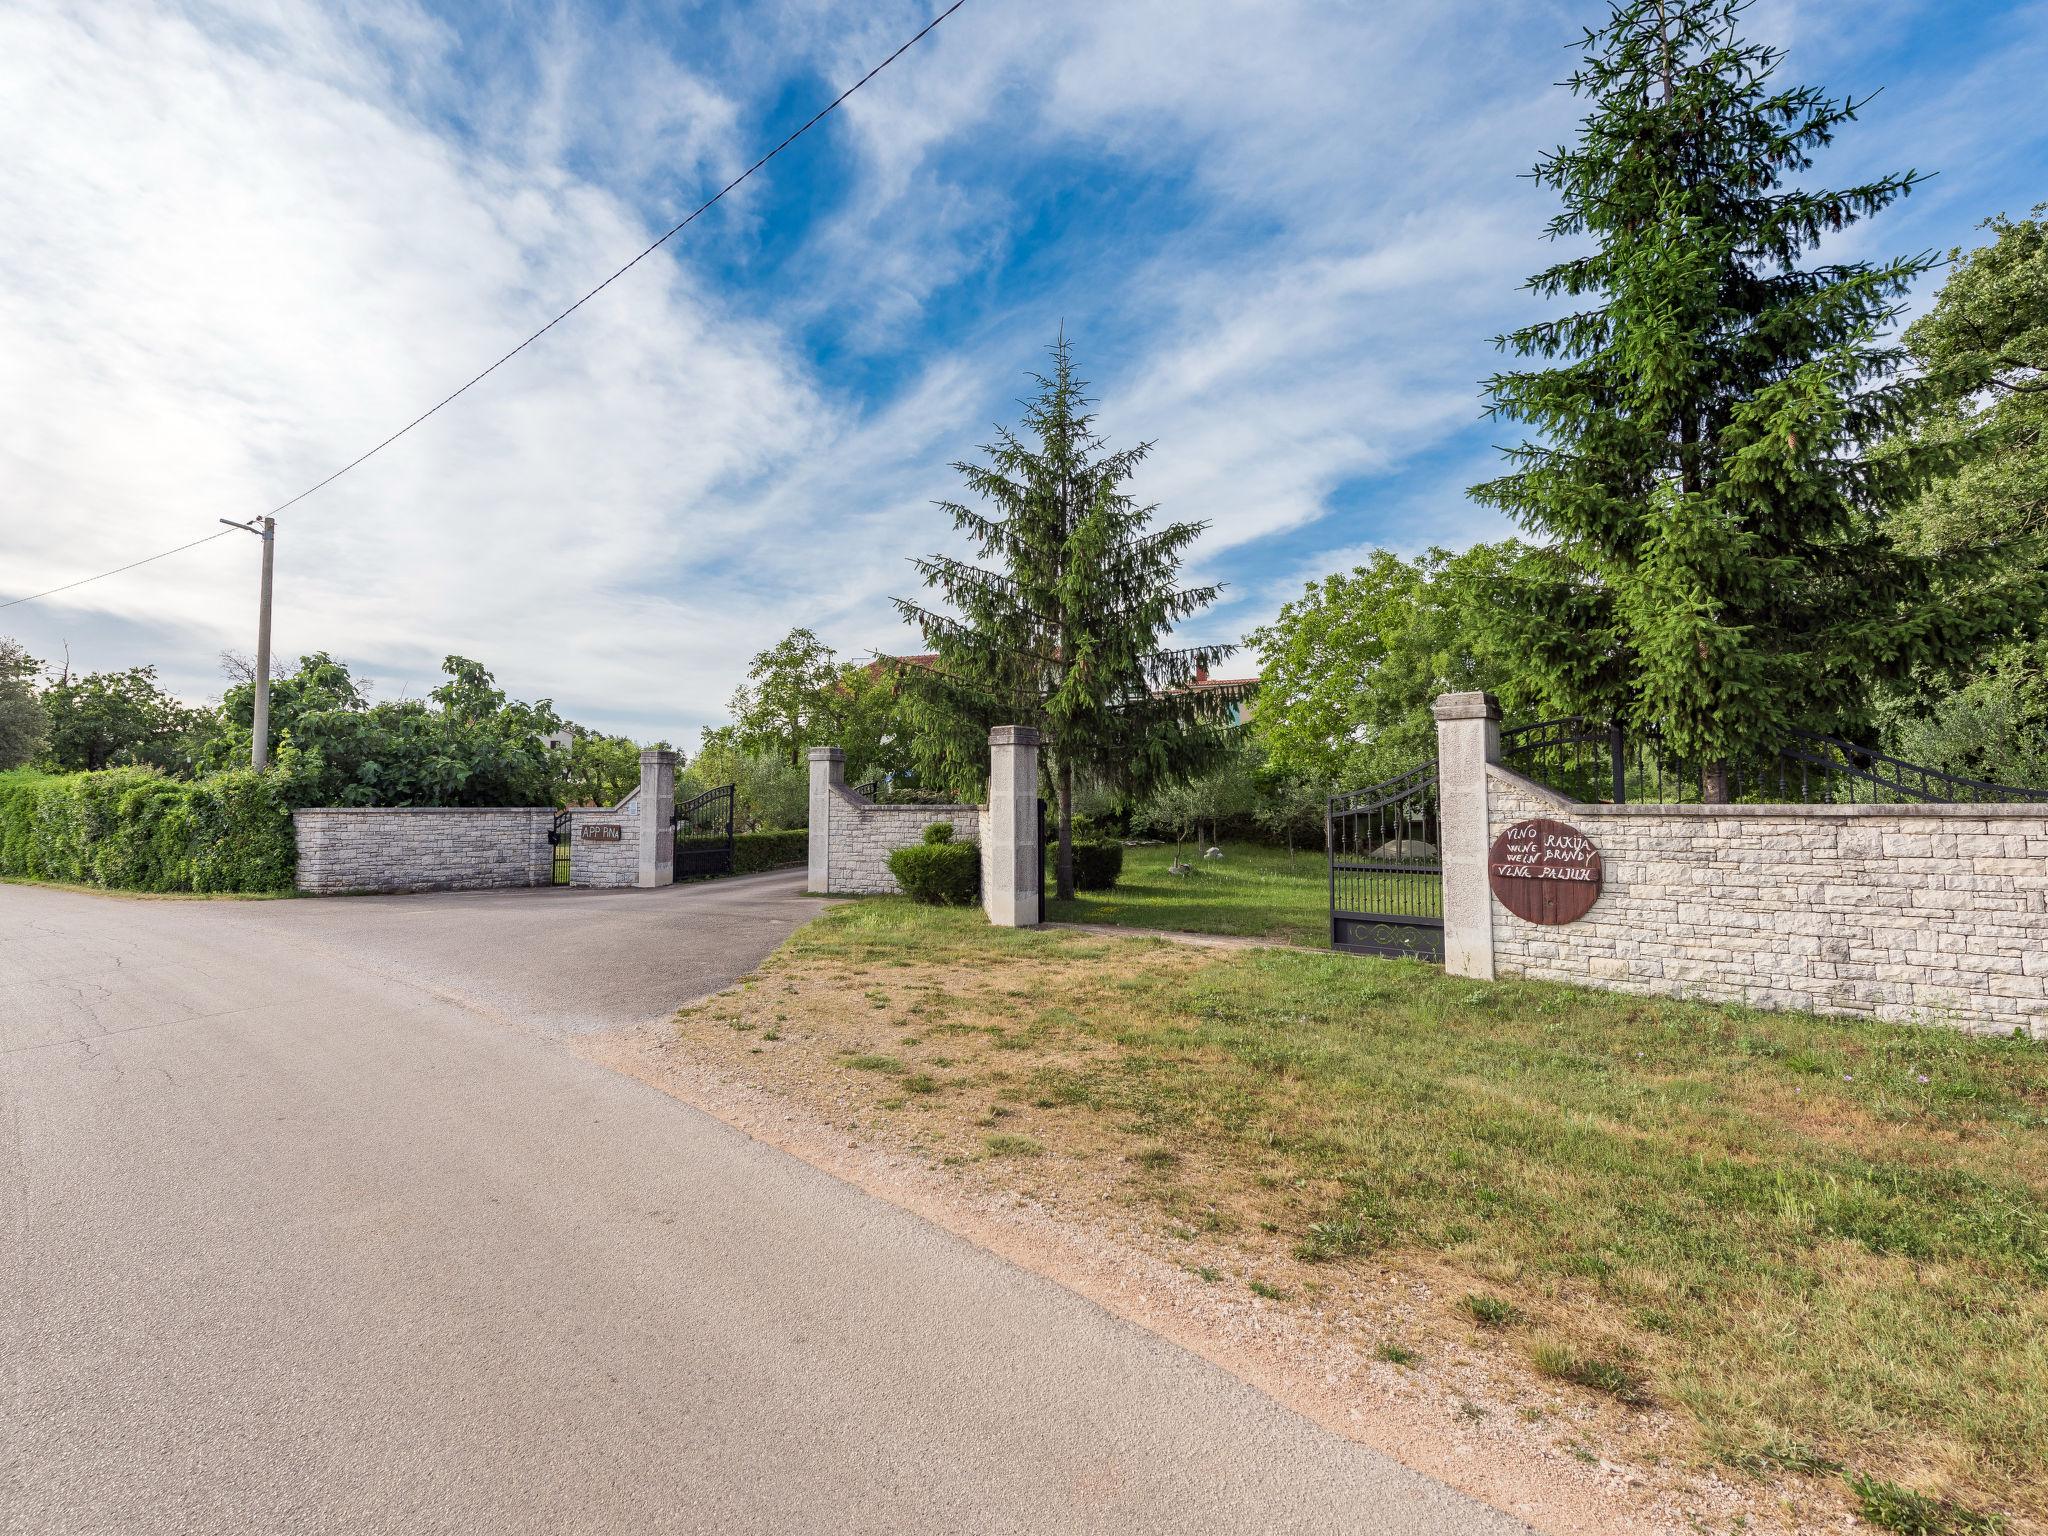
1467, 739
828, 772
1012, 892
657, 817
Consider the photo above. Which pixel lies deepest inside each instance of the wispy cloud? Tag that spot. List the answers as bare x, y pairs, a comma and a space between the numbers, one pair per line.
240, 242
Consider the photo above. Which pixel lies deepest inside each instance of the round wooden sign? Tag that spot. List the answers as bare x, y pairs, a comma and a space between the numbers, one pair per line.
1544, 871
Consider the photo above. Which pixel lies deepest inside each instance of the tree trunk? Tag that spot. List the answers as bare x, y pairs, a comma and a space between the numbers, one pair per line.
1063, 887
1714, 783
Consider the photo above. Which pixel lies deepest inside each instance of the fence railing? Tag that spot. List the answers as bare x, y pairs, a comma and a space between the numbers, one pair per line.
1596, 761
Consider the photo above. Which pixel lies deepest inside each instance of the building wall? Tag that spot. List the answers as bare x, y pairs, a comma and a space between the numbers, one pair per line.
605, 864
1928, 914
422, 849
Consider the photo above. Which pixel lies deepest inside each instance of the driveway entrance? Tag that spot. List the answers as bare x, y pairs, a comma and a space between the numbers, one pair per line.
311, 1227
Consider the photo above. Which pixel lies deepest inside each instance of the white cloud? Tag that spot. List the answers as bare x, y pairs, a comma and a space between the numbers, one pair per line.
242, 242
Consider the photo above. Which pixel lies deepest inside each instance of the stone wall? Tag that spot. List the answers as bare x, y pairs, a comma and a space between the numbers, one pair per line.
860, 836
1931, 914
606, 865
422, 849
851, 837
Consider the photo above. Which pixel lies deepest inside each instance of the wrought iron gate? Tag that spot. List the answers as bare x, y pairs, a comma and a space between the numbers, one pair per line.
1386, 870
704, 834
1041, 854
558, 845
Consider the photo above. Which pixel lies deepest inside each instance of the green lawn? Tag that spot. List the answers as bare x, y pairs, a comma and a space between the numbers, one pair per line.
1252, 891
1818, 1242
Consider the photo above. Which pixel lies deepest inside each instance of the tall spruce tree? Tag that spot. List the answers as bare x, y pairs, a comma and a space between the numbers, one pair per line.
1703, 476
1065, 634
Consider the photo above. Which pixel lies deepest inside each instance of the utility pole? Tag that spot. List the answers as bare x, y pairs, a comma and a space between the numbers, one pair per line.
259, 737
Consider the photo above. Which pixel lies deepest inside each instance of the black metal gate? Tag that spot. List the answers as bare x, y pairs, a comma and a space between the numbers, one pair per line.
1041, 854
1386, 870
704, 834
558, 844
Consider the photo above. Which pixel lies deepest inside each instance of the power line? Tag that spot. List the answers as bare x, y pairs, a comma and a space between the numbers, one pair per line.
117, 570
673, 230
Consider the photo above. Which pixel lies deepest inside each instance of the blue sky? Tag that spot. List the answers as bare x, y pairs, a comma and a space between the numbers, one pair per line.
240, 242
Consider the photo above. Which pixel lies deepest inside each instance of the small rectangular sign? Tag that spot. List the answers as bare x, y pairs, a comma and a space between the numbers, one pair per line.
603, 832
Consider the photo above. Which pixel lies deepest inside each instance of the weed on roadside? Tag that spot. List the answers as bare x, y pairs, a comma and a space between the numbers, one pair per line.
1893, 1508
1490, 1311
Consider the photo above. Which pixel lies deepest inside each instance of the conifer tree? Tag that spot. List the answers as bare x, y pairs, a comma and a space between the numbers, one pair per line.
1702, 469
1065, 632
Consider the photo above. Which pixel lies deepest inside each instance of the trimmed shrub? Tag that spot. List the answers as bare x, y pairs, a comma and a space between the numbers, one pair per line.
939, 873
133, 829
1097, 865
939, 832
753, 852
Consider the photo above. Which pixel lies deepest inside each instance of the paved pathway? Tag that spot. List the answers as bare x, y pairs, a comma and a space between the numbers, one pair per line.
307, 1226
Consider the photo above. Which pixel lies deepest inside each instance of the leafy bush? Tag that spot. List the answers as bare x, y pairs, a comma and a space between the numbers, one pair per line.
753, 851
939, 872
1097, 865
132, 829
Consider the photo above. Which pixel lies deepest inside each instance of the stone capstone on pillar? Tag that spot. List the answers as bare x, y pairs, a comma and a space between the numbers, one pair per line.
1012, 893
1467, 739
657, 817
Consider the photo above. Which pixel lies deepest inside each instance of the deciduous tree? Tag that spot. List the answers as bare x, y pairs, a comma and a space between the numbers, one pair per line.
1349, 669
114, 719
24, 725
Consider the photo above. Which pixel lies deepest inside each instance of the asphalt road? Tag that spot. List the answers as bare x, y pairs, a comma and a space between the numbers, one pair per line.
310, 1226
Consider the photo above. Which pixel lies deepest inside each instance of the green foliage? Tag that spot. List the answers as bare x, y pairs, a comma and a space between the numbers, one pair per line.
1989, 724
769, 791
939, 832
597, 769
755, 851
1703, 463
133, 829
1893, 1508
1351, 667
1065, 634
1984, 350
939, 874
118, 719
777, 712
23, 724
464, 745
1097, 864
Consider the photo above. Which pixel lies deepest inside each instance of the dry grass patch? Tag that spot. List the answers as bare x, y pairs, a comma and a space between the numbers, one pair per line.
1815, 1241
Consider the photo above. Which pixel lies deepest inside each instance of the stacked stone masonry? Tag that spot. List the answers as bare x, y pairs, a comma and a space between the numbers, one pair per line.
602, 862
861, 835
1932, 914
422, 849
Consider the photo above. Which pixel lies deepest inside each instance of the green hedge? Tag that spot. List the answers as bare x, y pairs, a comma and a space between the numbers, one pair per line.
1097, 865
938, 871
133, 829
753, 852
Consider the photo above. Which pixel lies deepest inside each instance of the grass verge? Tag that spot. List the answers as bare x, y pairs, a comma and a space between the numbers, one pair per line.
1786, 1230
